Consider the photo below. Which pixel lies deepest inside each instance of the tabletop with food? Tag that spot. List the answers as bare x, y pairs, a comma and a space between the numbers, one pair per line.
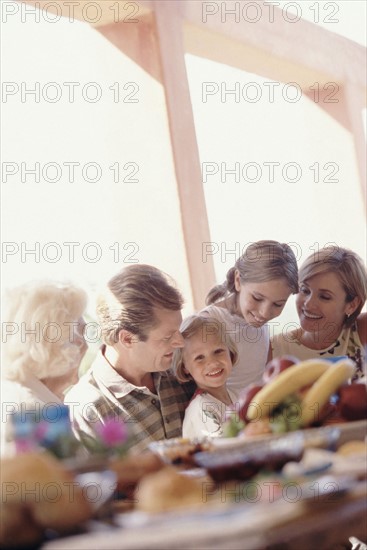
284, 474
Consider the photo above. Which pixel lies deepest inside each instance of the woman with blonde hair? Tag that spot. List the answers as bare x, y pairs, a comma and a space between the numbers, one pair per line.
333, 287
255, 291
43, 345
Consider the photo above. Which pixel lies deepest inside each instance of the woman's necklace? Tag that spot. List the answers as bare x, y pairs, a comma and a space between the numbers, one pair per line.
316, 344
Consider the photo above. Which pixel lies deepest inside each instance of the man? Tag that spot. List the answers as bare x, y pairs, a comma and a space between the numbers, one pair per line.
140, 316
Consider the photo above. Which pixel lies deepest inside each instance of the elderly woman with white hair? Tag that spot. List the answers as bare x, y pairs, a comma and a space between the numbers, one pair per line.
43, 345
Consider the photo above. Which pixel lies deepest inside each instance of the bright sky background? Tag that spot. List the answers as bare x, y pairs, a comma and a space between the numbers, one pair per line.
144, 218
347, 18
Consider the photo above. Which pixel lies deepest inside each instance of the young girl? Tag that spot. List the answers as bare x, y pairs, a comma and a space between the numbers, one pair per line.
333, 285
255, 291
207, 357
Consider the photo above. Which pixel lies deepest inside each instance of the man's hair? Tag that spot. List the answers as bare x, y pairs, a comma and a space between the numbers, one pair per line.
131, 299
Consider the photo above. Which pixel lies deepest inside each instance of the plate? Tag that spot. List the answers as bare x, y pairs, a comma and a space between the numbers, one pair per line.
98, 487
327, 488
180, 451
325, 437
245, 461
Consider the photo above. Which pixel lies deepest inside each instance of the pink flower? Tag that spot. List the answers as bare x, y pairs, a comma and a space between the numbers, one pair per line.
41, 431
113, 433
23, 446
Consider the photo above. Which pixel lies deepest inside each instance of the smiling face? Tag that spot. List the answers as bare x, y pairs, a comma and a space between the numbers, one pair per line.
207, 360
258, 303
322, 305
155, 354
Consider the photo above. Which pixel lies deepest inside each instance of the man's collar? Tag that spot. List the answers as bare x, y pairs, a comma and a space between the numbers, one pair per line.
111, 379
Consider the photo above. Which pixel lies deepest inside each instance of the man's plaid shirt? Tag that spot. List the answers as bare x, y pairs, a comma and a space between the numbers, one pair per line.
102, 394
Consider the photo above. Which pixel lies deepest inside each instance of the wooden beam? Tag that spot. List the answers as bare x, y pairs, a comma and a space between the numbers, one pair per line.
287, 52
138, 41
272, 46
185, 150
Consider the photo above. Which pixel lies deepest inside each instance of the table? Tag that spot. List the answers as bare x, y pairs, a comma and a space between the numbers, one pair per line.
284, 524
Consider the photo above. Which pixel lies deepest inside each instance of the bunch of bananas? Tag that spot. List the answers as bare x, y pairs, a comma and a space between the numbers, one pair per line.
321, 377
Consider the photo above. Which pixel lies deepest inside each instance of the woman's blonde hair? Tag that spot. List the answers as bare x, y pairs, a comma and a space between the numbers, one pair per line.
38, 329
209, 326
261, 262
349, 269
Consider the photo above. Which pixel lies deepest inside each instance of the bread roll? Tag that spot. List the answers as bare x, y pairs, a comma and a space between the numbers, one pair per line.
130, 469
353, 447
168, 490
38, 493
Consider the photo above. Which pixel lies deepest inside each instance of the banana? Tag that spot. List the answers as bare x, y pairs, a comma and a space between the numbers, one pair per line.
321, 390
287, 382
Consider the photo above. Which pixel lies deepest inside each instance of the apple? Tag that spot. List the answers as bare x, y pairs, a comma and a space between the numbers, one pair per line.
278, 365
352, 403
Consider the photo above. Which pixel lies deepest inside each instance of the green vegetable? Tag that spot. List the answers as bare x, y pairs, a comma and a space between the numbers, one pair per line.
232, 427
286, 417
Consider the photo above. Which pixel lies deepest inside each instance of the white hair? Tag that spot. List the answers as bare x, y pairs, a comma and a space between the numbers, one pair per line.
38, 329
